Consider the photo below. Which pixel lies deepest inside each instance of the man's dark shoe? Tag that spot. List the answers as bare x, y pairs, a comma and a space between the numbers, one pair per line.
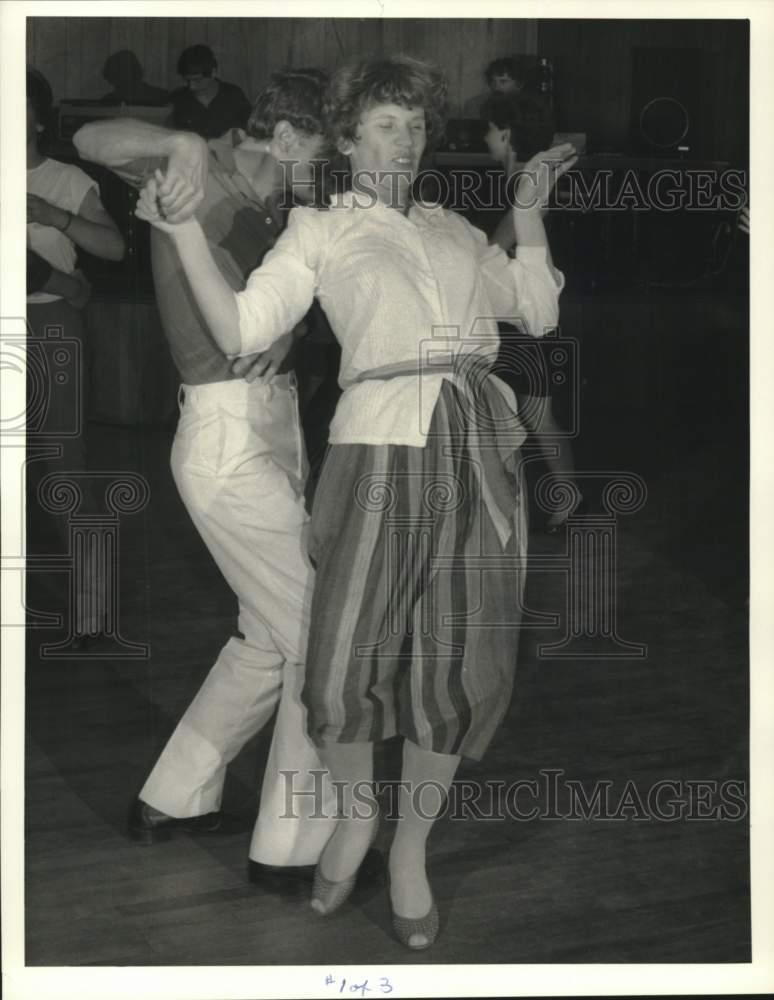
294, 878
148, 826
276, 878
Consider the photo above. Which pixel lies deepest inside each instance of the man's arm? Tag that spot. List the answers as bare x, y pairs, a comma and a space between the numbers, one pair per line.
90, 228
121, 144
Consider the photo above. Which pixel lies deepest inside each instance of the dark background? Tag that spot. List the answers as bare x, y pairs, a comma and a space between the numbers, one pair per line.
594, 60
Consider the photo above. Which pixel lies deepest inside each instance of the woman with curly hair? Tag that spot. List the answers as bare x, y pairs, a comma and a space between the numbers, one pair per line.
418, 522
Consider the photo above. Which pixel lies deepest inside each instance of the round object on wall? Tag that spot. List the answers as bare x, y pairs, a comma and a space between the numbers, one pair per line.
664, 122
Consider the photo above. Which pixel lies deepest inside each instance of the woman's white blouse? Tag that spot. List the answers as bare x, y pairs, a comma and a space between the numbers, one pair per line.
397, 290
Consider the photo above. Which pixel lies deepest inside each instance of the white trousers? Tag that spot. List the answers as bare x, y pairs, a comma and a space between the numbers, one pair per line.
239, 463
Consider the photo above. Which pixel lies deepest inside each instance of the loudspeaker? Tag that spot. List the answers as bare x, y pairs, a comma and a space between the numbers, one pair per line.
672, 102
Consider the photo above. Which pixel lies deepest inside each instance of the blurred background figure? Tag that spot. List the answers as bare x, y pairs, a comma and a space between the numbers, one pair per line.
123, 72
206, 105
519, 126
504, 75
64, 215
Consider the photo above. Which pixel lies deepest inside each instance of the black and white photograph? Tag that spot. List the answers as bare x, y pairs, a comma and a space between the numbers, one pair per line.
387, 506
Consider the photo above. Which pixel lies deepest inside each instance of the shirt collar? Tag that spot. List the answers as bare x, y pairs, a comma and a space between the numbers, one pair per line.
223, 150
353, 200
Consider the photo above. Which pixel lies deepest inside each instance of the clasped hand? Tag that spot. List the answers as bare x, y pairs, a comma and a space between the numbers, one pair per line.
151, 206
171, 197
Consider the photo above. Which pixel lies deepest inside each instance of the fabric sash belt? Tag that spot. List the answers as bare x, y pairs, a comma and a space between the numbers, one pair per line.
494, 431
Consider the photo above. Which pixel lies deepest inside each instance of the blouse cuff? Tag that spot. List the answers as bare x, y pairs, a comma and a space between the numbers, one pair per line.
539, 255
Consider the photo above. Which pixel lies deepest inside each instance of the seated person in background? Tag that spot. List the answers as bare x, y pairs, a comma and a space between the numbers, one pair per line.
206, 105
64, 214
123, 71
505, 75
518, 128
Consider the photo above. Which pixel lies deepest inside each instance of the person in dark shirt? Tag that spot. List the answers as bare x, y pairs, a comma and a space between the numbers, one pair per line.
206, 105
123, 72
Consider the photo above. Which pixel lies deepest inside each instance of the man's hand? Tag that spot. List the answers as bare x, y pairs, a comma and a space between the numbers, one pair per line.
182, 189
148, 208
541, 173
45, 214
261, 368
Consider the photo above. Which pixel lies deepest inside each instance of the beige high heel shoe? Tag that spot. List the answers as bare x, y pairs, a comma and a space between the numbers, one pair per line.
329, 895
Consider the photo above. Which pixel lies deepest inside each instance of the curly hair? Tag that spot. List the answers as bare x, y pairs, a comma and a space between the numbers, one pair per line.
294, 96
530, 122
401, 80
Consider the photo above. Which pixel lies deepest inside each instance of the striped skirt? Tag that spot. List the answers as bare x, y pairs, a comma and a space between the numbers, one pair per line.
417, 601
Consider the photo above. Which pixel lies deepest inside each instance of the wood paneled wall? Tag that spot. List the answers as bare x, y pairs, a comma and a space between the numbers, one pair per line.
71, 51
593, 70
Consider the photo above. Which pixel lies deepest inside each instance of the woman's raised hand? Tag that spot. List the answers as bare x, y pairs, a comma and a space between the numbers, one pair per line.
540, 174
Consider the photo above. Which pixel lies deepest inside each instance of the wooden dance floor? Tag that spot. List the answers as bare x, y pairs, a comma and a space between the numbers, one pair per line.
664, 397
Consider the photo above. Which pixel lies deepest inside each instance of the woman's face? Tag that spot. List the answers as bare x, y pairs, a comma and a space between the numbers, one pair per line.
389, 144
498, 141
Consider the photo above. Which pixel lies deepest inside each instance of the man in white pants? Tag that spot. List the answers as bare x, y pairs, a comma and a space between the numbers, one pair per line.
239, 463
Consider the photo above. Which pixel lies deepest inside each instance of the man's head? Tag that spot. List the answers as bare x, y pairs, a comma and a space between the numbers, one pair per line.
40, 100
288, 113
122, 70
505, 75
197, 65
288, 116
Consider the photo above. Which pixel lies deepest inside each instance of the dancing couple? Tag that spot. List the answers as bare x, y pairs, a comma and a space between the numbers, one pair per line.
421, 483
